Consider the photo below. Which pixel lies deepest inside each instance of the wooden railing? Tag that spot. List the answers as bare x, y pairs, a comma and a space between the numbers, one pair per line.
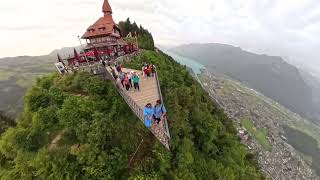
132, 104
139, 111
166, 127
165, 139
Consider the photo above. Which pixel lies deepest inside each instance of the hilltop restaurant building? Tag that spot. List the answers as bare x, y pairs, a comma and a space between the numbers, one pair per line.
104, 40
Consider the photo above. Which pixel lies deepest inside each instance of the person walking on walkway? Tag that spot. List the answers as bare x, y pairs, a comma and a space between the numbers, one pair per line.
148, 115
136, 81
159, 112
146, 71
149, 70
144, 65
130, 78
126, 81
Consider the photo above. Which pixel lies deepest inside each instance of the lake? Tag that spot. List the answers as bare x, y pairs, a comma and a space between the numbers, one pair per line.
195, 66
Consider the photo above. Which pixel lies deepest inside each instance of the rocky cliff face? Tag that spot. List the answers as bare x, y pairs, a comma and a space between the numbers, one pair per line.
270, 75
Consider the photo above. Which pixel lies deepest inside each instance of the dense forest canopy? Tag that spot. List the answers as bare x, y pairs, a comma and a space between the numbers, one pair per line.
145, 39
5, 122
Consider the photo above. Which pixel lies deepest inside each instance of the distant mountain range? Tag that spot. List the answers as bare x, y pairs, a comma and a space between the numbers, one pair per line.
19, 73
270, 75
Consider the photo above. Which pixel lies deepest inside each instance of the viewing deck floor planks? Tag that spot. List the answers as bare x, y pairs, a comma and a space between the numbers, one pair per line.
148, 93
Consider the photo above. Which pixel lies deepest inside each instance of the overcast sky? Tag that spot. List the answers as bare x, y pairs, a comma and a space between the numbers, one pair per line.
289, 28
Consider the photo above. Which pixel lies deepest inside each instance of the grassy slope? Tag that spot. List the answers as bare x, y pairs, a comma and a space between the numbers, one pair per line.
17, 75
259, 134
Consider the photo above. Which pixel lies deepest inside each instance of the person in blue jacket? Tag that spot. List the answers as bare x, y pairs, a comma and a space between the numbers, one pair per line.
148, 115
159, 112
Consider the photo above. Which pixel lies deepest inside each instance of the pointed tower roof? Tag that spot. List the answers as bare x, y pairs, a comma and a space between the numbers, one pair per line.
104, 26
106, 8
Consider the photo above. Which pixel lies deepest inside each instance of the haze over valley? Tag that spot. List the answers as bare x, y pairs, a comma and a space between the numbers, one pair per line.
271, 75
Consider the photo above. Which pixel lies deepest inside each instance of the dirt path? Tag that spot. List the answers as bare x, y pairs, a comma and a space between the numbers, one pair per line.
56, 140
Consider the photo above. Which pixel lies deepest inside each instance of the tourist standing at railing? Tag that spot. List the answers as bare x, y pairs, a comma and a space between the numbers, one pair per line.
118, 67
136, 81
113, 73
121, 76
153, 70
159, 112
148, 115
103, 62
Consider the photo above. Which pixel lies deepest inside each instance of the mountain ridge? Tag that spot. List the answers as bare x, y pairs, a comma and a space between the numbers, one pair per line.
270, 75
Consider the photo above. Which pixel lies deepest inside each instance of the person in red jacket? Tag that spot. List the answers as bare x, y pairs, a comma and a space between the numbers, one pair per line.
126, 81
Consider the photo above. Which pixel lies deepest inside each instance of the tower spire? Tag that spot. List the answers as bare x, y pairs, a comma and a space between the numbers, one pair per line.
106, 8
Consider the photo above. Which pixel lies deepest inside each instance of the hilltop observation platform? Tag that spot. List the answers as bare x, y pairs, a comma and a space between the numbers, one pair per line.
149, 92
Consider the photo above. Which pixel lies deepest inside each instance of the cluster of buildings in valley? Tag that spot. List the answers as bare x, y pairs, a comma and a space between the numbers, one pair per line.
104, 41
283, 161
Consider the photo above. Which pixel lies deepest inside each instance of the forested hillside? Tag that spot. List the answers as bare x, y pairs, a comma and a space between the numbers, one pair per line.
5, 122
78, 127
145, 39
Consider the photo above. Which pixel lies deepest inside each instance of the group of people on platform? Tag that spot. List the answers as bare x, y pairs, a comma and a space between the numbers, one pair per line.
132, 79
148, 70
154, 115
128, 79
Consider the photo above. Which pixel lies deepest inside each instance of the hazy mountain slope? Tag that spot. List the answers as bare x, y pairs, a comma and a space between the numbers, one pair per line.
314, 83
19, 73
16, 75
268, 74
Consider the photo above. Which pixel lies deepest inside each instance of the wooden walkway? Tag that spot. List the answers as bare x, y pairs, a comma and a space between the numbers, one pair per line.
149, 93
148, 90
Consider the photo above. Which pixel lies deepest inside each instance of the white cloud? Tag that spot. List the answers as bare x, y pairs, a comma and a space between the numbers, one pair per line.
289, 28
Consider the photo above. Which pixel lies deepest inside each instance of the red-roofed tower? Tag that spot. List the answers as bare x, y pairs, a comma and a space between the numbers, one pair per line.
106, 8
104, 34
